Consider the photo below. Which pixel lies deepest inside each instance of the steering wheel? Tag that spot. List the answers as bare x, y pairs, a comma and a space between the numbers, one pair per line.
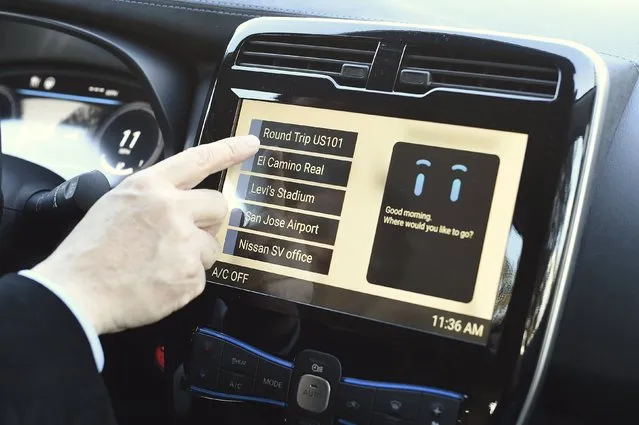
38, 209
1, 197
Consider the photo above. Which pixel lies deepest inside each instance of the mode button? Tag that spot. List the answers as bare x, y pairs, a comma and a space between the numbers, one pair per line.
272, 380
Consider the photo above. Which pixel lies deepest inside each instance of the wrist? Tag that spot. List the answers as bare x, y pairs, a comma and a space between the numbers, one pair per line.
76, 289
84, 322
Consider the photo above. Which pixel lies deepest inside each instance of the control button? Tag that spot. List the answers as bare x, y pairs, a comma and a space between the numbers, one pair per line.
354, 404
239, 360
205, 361
399, 404
207, 346
272, 380
319, 364
437, 410
203, 375
356, 72
313, 393
415, 77
232, 383
381, 419
315, 375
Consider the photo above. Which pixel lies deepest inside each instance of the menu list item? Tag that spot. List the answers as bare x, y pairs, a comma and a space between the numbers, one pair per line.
272, 250
285, 223
285, 193
315, 169
305, 138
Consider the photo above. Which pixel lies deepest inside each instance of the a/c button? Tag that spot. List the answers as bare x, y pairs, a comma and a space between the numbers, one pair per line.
232, 383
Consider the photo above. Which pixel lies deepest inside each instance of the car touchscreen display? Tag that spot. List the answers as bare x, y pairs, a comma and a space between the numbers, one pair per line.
401, 221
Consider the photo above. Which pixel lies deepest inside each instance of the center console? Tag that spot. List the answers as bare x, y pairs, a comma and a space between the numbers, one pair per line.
399, 249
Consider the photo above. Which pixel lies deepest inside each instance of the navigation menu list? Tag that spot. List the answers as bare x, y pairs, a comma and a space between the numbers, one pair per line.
291, 195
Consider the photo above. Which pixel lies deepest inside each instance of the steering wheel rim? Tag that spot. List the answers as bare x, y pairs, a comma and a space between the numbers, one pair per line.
1, 197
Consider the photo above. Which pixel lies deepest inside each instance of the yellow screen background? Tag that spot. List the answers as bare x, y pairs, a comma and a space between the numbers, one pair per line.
376, 138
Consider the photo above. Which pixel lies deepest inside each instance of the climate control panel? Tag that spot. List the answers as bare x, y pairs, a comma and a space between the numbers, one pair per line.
312, 389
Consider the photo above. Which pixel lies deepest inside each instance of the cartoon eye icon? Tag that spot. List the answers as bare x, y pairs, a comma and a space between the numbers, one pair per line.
421, 178
456, 187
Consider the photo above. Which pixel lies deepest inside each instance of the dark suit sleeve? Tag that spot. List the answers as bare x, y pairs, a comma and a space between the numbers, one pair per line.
47, 371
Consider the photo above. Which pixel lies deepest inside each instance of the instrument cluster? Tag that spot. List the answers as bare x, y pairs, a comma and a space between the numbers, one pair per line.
72, 121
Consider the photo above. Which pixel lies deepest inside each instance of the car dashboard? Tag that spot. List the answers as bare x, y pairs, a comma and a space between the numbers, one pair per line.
437, 228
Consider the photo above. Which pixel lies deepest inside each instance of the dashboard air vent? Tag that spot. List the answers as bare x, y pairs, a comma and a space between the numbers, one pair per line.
424, 68
347, 60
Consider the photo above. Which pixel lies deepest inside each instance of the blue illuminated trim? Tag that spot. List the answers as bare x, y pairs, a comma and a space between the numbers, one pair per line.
405, 387
62, 96
344, 422
238, 397
247, 347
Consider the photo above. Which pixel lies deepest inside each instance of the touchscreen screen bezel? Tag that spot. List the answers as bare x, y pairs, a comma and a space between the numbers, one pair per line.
559, 133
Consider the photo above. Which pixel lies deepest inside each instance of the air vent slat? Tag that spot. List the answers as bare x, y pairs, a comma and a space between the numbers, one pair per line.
479, 69
479, 63
300, 58
286, 68
312, 47
522, 93
347, 60
436, 71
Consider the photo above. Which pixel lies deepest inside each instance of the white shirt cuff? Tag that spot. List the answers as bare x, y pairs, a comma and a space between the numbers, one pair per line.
89, 331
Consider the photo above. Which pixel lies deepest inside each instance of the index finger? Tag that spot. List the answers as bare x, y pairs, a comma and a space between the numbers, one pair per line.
190, 167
